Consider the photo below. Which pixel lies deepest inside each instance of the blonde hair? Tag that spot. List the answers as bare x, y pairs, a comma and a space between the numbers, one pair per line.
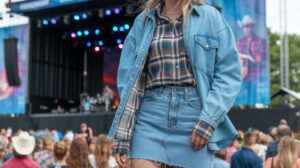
102, 151
186, 5
287, 154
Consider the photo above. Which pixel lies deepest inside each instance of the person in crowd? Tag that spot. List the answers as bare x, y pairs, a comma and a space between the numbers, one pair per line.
101, 158
235, 146
219, 161
78, 154
23, 145
283, 122
258, 147
45, 157
287, 155
3, 147
92, 145
86, 133
246, 157
60, 152
282, 130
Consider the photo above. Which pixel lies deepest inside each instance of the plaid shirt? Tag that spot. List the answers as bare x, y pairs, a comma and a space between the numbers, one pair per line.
166, 56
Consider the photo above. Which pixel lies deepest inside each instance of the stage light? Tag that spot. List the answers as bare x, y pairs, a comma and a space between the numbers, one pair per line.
120, 46
115, 28
126, 26
53, 21
97, 48
119, 41
76, 17
97, 31
121, 28
117, 10
100, 43
79, 33
86, 32
108, 12
73, 35
88, 44
45, 22
84, 16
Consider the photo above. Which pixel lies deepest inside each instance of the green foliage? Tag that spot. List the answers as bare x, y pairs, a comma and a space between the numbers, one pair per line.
294, 60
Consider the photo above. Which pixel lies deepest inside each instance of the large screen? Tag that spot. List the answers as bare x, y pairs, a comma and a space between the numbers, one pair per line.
13, 99
247, 18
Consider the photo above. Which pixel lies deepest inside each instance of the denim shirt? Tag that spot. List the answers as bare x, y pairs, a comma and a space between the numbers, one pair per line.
212, 51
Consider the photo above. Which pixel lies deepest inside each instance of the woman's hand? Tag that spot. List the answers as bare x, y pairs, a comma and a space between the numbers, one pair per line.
121, 159
198, 142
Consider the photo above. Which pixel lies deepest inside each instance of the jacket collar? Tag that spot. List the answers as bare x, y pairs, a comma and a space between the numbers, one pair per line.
151, 13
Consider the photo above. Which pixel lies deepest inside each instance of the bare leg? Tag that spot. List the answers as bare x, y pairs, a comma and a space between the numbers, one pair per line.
141, 163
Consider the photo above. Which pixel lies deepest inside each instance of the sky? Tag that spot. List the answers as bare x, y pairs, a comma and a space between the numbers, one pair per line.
272, 7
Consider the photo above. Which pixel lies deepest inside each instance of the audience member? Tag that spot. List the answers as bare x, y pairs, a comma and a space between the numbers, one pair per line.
101, 158
3, 147
219, 161
78, 154
23, 145
287, 155
282, 130
60, 152
246, 157
44, 157
235, 146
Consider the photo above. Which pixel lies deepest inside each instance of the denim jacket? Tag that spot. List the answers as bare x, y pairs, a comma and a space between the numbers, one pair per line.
212, 51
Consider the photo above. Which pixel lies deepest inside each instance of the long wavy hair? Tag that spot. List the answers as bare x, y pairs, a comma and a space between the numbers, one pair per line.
78, 154
102, 151
186, 5
287, 152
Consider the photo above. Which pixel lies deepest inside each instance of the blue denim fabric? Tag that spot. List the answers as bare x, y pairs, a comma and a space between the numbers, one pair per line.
164, 126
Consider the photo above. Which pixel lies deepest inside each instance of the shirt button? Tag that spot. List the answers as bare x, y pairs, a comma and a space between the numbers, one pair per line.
177, 66
206, 45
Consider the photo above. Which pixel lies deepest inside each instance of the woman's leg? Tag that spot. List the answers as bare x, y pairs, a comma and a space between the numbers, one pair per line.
138, 163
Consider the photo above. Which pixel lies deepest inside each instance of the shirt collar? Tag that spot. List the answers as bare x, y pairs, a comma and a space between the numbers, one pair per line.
161, 15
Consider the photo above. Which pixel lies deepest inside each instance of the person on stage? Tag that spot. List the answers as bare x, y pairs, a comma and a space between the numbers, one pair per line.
178, 76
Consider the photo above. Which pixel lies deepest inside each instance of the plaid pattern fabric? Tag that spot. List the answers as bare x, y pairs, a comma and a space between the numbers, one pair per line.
125, 127
168, 62
44, 158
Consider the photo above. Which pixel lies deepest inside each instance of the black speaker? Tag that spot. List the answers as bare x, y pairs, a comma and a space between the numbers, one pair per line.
11, 61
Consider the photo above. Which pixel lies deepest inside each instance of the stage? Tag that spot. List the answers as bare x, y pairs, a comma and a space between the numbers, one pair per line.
261, 119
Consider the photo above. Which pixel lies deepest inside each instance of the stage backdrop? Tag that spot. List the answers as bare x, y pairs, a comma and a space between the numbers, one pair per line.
247, 18
13, 99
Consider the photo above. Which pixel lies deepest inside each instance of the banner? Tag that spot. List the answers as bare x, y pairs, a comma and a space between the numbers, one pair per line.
13, 99
247, 19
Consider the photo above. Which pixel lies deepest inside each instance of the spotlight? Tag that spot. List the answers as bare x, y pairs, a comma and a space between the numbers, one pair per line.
79, 33
126, 26
117, 11
97, 48
115, 28
84, 16
73, 35
120, 46
108, 12
45, 22
100, 43
121, 28
88, 44
119, 41
97, 31
86, 32
53, 21
76, 17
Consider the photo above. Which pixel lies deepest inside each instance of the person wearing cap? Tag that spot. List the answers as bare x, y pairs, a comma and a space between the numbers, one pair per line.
23, 146
253, 53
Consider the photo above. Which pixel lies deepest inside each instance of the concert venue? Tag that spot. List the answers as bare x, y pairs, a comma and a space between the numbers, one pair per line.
59, 64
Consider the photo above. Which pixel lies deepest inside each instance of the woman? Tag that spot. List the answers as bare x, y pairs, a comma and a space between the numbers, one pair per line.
178, 76
78, 154
101, 158
60, 152
287, 155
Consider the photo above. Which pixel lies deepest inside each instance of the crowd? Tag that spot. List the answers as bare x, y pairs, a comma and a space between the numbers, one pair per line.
280, 148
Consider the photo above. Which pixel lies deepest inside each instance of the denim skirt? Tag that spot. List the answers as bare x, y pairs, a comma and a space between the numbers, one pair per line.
164, 125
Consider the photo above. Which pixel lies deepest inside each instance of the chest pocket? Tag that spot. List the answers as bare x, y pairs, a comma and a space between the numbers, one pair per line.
205, 52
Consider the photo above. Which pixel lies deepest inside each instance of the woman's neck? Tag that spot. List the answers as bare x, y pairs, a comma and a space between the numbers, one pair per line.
172, 8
